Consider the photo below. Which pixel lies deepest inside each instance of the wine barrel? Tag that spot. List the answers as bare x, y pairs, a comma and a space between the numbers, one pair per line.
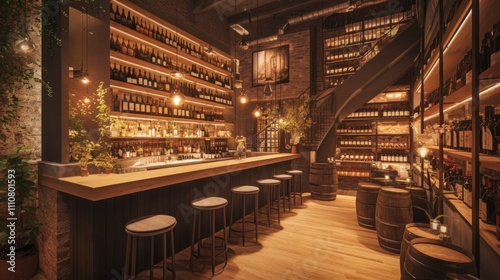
323, 181
454, 276
419, 199
413, 231
366, 201
434, 259
392, 213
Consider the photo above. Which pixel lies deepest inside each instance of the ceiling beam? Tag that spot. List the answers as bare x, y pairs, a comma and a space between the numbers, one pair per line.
268, 10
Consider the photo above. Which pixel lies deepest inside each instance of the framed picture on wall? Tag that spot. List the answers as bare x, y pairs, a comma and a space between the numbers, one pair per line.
272, 63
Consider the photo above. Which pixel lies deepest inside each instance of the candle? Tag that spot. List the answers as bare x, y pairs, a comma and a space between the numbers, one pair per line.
443, 229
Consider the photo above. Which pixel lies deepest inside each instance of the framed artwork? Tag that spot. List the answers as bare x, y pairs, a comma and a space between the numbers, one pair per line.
270, 63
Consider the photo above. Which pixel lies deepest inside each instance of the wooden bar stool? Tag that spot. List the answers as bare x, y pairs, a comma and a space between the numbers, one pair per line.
285, 181
296, 173
149, 226
210, 204
245, 191
269, 184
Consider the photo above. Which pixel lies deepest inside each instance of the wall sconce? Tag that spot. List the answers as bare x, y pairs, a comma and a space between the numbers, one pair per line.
24, 45
268, 90
243, 98
79, 74
257, 112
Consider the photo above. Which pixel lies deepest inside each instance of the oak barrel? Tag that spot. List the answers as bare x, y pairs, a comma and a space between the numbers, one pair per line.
419, 199
392, 213
323, 181
434, 259
413, 231
366, 201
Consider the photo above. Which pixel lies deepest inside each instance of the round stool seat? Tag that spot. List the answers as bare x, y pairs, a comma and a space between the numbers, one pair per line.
209, 203
269, 182
282, 177
245, 190
151, 224
294, 171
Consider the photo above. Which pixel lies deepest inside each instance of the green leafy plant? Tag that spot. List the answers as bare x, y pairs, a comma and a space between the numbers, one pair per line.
297, 119
20, 190
85, 148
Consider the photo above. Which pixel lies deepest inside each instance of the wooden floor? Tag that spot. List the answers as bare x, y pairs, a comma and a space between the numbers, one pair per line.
318, 240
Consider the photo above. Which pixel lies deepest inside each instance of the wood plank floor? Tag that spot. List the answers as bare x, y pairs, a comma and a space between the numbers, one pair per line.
318, 240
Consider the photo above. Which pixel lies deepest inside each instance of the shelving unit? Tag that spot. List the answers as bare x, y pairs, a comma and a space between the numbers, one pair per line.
345, 46
208, 71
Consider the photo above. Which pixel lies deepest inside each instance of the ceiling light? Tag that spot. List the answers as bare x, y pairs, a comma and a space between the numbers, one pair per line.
257, 112
243, 98
268, 90
177, 98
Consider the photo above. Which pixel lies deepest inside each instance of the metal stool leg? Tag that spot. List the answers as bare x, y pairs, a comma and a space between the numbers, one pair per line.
269, 206
134, 256
243, 224
279, 195
165, 256
231, 215
212, 222
151, 262
256, 221
192, 241
127, 257
173, 252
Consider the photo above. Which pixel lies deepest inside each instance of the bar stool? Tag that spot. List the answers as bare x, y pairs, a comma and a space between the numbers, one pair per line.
210, 204
150, 226
245, 191
269, 184
296, 173
285, 178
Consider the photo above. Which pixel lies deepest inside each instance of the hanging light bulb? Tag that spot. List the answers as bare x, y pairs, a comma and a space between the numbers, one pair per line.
85, 78
243, 98
257, 112
177, 98
24, 45
281, 119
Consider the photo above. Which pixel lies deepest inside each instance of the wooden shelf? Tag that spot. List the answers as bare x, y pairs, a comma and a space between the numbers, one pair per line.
162, 138
486, 231
163, 94
488, 79
339, 74
355, 161
379, 119
162, 118
135, 62
356, 148
343, 60
486, 161
356, 134
462, 42
148, 16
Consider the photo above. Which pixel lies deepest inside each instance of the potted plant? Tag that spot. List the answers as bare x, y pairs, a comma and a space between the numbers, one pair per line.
102, 155
297, 120
19, 229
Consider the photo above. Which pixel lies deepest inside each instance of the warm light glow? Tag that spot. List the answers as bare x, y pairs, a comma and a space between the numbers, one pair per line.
178, 75
243, 98
24, 45
423, 151
257, 112
177, 98
281, 119
85, 78
86, 100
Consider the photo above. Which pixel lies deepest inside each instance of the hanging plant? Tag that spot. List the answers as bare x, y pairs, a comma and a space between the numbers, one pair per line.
297, 119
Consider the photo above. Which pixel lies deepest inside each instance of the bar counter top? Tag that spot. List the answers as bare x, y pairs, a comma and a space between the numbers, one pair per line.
97, 187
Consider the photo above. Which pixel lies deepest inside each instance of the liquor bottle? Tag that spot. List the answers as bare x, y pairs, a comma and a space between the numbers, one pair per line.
125, 104
112, 12
159, 110
123, 47
137, 107
123, 18
148, 106
131, 104
129, 20
489, 140
130, 49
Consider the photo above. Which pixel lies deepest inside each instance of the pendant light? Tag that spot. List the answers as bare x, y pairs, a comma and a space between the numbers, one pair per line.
268, 90
257, 112
177, 97
243, 98
24, 44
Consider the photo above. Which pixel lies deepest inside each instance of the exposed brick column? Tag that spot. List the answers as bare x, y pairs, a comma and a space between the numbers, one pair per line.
54, 238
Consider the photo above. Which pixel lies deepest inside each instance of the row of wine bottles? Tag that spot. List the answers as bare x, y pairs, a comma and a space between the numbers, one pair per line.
140, 51
463, 72
356, 142
389, 111
353, 172
146, 105
346, 54
123, 149
333, 70
394, 156
166, 36
459, 135
354, 128
131, 76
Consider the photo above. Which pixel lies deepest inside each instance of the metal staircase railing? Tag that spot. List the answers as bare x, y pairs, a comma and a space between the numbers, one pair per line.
323, 106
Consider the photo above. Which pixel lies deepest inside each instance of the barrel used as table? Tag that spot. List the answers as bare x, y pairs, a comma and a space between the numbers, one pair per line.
434, 259
323, 181
413, 231
392, 213
366, 201
420, 204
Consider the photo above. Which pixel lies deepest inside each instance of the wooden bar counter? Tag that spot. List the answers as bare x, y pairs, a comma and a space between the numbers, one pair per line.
99, 206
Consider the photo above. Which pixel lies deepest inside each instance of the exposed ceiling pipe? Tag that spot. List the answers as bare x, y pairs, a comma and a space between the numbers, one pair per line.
345, 7
263, 40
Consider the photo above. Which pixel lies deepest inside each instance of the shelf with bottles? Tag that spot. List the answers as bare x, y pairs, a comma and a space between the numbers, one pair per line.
353, 171
336, 81
340, 55
357, 155
396, 142
359, 129
194, 148
123, 60
124, 127
356, 142
457, 43
394, 156
131, 19
489, 87
164, 90
341, 68
486, 161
